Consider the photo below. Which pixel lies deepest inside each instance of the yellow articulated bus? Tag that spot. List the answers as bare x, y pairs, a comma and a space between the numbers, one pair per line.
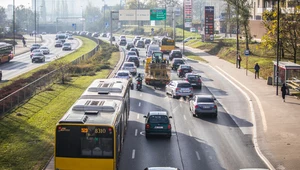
167, 45
90, 135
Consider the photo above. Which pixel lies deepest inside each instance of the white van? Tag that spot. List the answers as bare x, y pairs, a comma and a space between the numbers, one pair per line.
152, 48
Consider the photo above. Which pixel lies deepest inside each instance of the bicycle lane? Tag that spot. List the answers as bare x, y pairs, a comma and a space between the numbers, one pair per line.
277, 124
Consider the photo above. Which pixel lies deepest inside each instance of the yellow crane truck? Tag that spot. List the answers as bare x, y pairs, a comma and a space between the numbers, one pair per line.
157, 71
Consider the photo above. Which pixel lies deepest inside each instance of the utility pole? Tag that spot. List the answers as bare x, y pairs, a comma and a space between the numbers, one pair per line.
174, 27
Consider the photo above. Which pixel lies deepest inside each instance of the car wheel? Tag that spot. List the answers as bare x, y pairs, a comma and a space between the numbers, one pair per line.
169, 136
215, 115
147, 136
172, 94
32, 61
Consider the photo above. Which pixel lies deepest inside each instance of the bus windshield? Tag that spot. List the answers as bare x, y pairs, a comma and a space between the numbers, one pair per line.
84, 141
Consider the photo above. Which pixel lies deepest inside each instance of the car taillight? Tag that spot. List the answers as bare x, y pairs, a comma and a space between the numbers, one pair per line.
179, 70
177, 89
196, 106
169, 126
215, 106
147, 126
138, 82
199, 80
191, 88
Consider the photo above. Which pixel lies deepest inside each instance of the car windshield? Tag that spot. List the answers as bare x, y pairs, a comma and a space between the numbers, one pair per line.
133, 59
158, 119
38, 54
184, 85
123, 74
176, 52
36, 51
67, 44
43, 48
35, 45
204, 99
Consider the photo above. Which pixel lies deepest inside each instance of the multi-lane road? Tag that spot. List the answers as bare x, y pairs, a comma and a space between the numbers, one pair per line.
196, 143
22, 63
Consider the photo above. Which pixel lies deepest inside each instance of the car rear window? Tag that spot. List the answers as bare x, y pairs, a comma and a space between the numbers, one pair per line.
131, 53
179, 61
184, 85
128, 65
193, 77
176, 52
158, 119
123, 74
204, 99
186, 67
133, 59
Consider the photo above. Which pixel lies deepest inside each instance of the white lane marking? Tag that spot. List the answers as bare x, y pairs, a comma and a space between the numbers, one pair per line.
135, 133
138, 116
184, 117
262, 113
190, 133
254, 136
139, 104
141, 94
198, 156
133, 154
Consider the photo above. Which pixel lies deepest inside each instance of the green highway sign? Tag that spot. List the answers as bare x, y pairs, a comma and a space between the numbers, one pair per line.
158, 14
188, 20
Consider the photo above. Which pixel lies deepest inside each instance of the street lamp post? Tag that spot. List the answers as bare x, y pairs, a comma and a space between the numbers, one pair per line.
183, 27
35, 21
40, 15
82, 16
278, 46
237, 33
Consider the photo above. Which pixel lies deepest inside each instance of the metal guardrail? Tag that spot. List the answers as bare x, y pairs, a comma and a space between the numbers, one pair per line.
21, 95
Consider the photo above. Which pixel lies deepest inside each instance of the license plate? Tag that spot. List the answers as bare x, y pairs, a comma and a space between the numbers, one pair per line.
158, 127
185, 70
206, 107
193, 84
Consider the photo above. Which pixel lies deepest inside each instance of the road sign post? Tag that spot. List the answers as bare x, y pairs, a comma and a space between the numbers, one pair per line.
247, 52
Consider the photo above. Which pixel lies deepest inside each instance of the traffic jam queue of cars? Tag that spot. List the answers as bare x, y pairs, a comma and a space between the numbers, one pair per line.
199, 104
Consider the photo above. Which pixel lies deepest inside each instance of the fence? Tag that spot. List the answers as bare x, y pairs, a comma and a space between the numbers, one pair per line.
25, 93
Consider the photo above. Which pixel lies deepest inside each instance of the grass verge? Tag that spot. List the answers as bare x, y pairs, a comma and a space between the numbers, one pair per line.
27, 134
194, 57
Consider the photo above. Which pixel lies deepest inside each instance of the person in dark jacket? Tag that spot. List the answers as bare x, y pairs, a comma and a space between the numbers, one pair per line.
239, 59
283, 91
256, 68
0, 75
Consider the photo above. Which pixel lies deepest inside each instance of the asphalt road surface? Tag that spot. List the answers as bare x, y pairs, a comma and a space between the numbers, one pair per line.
22, 63
197, 143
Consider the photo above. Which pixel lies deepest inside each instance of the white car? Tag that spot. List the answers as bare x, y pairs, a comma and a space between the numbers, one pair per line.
125, 74
130, 66
44, 49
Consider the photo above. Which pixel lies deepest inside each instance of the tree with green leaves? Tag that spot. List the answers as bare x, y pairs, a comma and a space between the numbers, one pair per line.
3, 19
242, 10
289, 24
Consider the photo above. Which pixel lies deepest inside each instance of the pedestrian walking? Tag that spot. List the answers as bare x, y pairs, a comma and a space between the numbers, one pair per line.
0, 75
283, 91
24, 42
256, 68
239, 59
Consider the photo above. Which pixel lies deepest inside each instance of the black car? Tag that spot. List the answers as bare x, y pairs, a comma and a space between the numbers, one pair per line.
122, 42
135, 60
194, 79
183, 69
34, 46
175, 54
136, 51
176, 63
129, 45
158, 123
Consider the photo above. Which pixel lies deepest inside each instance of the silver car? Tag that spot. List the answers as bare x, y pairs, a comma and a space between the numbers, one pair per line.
130, 66
179, 88
203, 104
45, 50
125, 74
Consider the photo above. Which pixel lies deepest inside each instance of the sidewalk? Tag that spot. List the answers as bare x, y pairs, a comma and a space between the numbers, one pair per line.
278, 140
29, 41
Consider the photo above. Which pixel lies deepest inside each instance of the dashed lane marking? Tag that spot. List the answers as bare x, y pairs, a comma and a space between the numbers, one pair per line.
198, 156
133, 154
135, 133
